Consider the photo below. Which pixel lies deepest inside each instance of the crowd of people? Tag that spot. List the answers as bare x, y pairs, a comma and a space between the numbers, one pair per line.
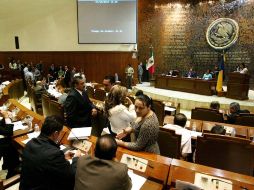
45, 166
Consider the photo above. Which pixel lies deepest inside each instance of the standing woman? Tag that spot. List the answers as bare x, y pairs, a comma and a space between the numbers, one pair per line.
145, 128
117, 113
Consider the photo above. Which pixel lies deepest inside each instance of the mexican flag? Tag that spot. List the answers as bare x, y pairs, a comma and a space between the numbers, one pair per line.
150, 62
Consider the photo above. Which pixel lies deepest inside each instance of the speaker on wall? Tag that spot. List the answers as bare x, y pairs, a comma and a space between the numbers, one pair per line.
17, 42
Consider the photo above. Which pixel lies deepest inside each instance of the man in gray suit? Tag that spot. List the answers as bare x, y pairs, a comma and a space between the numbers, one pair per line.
140, 73
102, 172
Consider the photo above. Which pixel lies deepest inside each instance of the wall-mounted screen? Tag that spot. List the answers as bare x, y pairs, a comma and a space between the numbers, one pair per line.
107, 21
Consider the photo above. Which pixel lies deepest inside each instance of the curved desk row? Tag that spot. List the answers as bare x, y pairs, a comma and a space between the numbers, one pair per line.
161, 172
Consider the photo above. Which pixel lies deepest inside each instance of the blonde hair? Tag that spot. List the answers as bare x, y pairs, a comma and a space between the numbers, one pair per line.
116, 96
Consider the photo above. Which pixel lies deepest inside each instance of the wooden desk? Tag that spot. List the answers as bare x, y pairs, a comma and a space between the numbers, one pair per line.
185, 171
157, 176
192, 85
159, 163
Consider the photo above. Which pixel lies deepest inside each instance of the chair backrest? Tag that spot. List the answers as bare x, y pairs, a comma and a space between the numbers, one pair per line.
100, 94
34, 101
159, 109
245, 119
90, 91
45, 105
225, 152
56, 109
206, 115
241, 131
194, 125
169, 143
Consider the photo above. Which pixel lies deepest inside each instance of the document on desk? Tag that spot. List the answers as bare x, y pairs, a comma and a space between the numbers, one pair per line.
30, 136
80, 133
19, 126
137, 180
208, 182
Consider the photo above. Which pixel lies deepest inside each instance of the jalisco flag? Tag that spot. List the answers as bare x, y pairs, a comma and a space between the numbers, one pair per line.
150, 62
221, 72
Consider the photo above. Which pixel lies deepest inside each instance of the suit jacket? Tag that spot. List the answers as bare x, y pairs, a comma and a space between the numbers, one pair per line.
44, 166
98, 174
191, 74
7, 150
78, 109
67, 78
6, 130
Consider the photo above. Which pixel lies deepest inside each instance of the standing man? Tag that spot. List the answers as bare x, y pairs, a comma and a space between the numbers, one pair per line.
44, 165
140, 73
102, 171
108, 82
67, 76
78, 106
7, 150
129, 75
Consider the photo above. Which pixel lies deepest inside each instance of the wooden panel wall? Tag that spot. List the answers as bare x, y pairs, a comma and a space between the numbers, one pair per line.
95, 64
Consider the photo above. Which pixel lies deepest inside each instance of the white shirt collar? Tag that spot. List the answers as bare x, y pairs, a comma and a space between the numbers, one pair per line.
79, 91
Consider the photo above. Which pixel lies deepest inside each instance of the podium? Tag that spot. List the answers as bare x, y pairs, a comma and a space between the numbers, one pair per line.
238, 86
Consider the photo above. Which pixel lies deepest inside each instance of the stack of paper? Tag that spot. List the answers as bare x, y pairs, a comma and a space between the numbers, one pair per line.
19, 126
80, 133
137, 180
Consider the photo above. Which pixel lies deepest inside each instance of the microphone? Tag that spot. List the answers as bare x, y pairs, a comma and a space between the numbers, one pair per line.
137, 160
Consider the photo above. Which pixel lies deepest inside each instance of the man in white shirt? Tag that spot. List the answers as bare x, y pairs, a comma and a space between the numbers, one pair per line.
129, 71
243, 69
178, 126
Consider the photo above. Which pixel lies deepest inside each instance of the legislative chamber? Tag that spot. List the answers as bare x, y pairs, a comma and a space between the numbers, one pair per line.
182, 56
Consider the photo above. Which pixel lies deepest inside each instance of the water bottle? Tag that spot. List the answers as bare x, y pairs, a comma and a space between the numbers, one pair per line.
36, 129
194, 127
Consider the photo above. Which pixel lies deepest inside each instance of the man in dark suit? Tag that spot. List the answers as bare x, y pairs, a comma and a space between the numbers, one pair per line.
67, 76
191, 74
101, 171
44, 165
77, 106
7, 150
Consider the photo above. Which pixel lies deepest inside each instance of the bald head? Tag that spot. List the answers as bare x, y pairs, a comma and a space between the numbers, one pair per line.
105, 147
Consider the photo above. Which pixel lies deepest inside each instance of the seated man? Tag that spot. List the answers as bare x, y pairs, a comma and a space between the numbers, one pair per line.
7, 150
215, 105
44, 165
191, 74
218, 129
179, 124
234, 111
102, 171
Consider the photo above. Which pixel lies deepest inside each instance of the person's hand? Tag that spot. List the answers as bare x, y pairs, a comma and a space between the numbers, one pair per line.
119, 142
121, 135
68, 155
129, 101
77, 153
94, 112
5, 114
